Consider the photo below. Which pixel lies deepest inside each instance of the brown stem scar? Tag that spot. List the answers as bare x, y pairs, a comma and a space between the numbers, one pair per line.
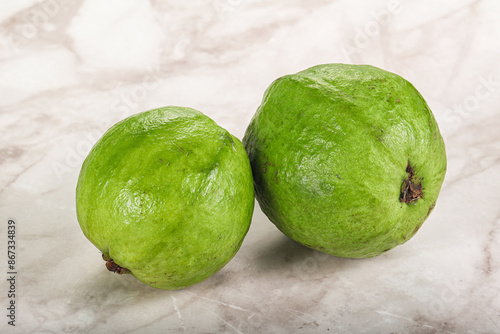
411, 188
112, 266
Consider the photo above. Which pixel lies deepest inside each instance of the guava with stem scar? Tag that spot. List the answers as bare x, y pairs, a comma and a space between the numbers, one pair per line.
167, 196
346, 159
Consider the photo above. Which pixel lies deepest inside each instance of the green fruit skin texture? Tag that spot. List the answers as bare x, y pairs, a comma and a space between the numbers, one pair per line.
167, 194
329, 147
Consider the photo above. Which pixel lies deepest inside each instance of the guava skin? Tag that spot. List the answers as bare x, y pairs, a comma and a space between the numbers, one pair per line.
336, 150
166, 195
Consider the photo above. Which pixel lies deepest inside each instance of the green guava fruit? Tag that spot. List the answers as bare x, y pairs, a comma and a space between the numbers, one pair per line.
346, 159
167, 196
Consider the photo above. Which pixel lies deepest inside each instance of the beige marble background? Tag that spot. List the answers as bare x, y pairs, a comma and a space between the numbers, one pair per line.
70, 69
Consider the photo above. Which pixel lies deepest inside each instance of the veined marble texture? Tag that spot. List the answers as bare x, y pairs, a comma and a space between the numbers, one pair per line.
71, 69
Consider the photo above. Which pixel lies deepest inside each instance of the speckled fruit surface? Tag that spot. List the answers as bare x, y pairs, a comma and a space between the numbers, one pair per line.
346, 159
166, 195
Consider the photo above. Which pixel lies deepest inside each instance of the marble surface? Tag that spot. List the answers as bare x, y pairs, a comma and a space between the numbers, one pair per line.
70, 69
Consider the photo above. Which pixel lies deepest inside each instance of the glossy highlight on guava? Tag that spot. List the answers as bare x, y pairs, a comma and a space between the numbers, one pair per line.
346, 159
166, 195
